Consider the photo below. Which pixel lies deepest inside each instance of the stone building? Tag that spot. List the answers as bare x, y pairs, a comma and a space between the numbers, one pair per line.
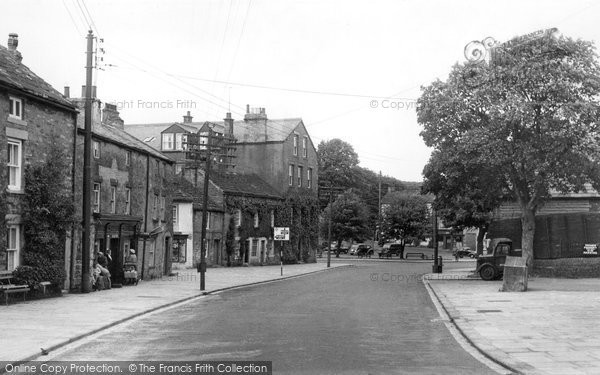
34, 117
277, 151
132, 196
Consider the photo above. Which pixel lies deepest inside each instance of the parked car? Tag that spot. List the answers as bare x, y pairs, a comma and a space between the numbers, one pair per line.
390, 249
465, 252
344, 248
364, 250
490, 265
353, 249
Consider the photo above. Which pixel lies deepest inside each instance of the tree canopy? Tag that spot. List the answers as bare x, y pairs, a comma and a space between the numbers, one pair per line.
466, 193
404, 215
337, 160
349, 218
528, 117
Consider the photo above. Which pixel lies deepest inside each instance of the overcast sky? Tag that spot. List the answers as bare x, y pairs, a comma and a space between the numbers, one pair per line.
333, 63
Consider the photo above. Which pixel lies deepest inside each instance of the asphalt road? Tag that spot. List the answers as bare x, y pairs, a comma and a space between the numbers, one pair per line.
375, 318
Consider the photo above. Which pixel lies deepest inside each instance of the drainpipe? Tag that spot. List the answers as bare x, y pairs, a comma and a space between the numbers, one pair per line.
146, 213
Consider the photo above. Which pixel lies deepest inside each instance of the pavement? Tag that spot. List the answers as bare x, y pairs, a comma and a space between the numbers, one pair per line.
51, 323
550, 329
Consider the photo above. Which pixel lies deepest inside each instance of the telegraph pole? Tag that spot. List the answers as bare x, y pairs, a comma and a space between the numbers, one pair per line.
329, 232
329, 189
86, 284
436, 268
223, 155
203, 241
379, 210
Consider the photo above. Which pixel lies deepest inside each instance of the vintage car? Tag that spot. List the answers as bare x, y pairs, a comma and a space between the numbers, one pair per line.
490, 265
390, 249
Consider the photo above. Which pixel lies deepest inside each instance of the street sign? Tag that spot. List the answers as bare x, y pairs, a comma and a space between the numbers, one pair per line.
281, 233
590, 249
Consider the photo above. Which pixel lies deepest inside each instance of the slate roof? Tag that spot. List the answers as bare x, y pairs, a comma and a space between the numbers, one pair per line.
186, 192
251, 132
147, 131
124, 138
19, 77
244, 184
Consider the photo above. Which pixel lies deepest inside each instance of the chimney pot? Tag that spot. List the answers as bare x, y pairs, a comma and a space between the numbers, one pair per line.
67, 91
13, 41
247, 108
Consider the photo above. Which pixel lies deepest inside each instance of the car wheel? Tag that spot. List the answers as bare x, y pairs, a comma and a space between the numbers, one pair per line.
487, 272
471, 255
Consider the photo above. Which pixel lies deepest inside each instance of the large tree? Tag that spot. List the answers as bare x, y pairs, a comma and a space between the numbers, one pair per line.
530, 114
338, 167
404, 216
349, 218
337, 161
466, 193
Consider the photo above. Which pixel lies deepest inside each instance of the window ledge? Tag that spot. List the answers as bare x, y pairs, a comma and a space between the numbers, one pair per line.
16, 120
17, 192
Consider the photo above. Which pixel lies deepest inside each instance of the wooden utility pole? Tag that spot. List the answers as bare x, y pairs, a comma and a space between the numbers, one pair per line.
203, 241
436, 268
86, 282
323, 190
196, 150
329, 232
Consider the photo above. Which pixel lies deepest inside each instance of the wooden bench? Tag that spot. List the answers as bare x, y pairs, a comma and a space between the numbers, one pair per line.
7, 287
415, 255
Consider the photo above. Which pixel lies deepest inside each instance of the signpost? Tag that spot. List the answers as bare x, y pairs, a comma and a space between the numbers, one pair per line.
281, 234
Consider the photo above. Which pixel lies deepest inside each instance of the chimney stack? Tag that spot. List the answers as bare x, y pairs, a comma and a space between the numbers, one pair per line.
13, 42
110, 116
255, 114
67, 93
187, 119
228, 123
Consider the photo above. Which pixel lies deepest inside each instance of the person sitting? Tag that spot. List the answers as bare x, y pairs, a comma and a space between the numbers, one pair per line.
102, 264
131, 259
95, 275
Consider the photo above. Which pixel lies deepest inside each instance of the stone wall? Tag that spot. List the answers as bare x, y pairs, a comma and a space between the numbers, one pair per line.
567, 267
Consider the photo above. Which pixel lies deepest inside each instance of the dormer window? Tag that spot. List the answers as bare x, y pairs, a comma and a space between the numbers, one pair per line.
16, 108
167, 141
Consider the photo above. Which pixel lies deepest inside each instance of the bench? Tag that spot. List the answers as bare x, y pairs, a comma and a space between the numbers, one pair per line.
415, 255
7, 287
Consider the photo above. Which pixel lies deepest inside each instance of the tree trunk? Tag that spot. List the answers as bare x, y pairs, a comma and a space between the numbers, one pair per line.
480, 235
527, 234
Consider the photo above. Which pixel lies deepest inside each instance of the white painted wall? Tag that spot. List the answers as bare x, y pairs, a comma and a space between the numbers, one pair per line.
185, 225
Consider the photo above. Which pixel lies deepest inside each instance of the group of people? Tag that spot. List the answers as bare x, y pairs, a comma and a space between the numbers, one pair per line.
101, 277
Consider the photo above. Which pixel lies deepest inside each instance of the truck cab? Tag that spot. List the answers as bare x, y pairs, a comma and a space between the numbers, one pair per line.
490, 265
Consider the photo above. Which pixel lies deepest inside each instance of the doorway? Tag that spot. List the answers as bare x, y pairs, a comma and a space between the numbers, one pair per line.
116, 265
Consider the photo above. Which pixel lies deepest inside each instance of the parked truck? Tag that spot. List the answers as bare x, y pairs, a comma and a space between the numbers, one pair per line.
490, 265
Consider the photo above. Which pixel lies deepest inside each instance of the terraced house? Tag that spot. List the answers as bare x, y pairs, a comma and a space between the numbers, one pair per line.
132, 195
34, 120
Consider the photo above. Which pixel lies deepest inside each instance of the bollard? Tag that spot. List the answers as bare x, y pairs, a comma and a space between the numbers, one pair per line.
437, 266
